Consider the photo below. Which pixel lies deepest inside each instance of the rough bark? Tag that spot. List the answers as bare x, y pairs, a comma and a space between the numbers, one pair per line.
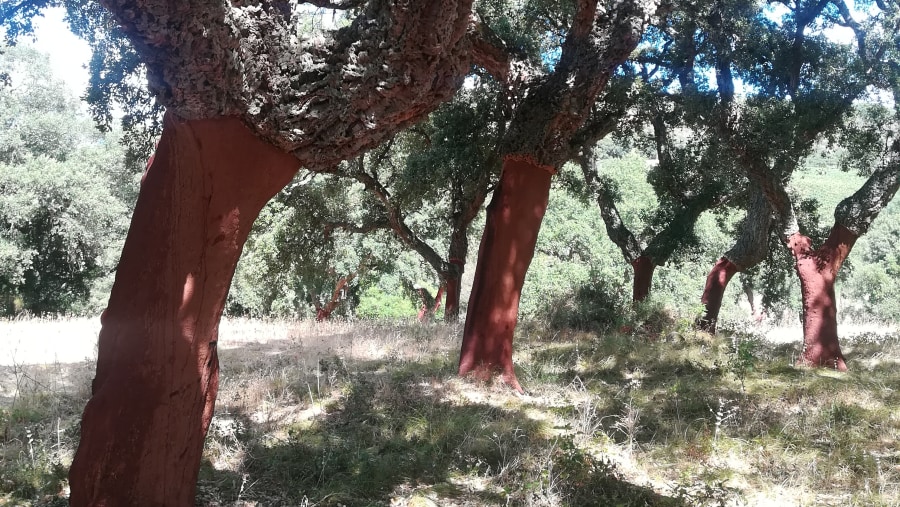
323, 97
157, 371
557, 105
507, 246
750, 248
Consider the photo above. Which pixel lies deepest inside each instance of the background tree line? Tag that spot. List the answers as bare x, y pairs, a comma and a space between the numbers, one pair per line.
58, 257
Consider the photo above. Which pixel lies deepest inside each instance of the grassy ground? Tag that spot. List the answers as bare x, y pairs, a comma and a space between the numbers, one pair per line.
372, 414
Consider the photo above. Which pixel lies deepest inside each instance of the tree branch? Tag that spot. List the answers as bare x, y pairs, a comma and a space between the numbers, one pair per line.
336, 4
323, 98
616, 229
858, 211
365, 228
489, 52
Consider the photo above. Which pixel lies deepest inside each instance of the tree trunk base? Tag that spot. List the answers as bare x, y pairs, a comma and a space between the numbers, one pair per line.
507, 247
157, 370
643, 278
713, 292
817, 270
451, 306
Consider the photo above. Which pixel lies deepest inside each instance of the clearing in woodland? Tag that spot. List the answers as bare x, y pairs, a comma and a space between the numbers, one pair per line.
372, 413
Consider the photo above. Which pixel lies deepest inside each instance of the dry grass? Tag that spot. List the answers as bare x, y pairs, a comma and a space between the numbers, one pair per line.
372, 414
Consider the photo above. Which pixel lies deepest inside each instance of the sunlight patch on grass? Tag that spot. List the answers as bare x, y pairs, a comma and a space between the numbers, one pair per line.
372, 413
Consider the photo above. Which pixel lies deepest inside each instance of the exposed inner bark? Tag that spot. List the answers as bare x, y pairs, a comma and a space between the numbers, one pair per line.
750, 248
643, 278
157, 371
430, 305
713, 291
323, 312
507, 246
454, 290
817, 270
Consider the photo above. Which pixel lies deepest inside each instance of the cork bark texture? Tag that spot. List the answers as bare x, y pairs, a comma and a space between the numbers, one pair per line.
323, 98
555, 106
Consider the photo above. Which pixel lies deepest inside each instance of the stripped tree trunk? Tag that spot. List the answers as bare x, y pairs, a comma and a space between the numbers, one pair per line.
454, 290
157, 370
750, 249
643, 278
430, 305
323, 312
507, 246
817, 270
324, 98
538, 142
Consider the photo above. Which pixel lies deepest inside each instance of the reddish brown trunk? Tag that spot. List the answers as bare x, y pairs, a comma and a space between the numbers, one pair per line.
451, 307
817, 270
428, 302
643, 278
714, 291
157, 371
507, 246
323, 313
437, 300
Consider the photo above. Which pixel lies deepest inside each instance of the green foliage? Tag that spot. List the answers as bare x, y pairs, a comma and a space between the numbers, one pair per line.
63, 193
116, 97
374, 303
874, 282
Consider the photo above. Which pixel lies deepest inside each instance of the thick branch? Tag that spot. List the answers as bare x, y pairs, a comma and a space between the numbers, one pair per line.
752, 244
489, 52
616, 229
858, 30
858, 211
600, 125
336, 4
556, 106
324, 99
364, 228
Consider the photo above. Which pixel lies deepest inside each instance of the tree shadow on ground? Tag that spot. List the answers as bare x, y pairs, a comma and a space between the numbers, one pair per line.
396, 432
